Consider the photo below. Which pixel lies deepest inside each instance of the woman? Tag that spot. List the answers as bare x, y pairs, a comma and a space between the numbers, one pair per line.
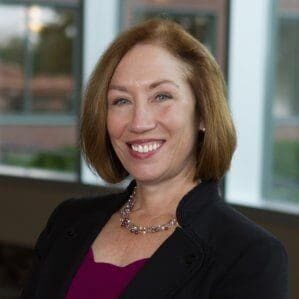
155, 109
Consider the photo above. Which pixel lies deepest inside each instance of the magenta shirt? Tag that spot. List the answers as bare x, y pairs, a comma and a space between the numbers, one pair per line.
101, 280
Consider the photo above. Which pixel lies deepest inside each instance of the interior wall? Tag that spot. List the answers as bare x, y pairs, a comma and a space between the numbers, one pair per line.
26, 204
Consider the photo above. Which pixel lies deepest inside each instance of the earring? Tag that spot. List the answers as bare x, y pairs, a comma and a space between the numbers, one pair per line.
202, 130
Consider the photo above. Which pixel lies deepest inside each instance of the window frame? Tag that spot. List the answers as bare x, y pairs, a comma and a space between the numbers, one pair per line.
270, 120
25, 116
250, 83
67, 119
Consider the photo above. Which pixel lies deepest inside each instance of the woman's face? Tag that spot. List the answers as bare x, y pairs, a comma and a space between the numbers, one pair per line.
151, 115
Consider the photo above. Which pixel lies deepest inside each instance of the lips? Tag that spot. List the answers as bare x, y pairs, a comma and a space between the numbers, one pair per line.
142, 148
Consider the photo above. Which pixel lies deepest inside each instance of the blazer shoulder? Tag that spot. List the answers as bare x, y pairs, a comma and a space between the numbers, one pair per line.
229, 232
247, 257
241, 223
74, 207
71, 211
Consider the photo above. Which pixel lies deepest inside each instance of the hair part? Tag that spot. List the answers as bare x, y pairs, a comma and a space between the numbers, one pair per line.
214, 148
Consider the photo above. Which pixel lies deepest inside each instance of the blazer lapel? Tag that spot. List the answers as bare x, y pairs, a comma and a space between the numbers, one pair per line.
170, 267
65, 258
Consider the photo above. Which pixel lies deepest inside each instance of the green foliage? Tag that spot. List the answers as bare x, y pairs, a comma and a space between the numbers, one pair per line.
286, 159
53, 54
285, 193
13, 51
286, 171
63, 159
14, 159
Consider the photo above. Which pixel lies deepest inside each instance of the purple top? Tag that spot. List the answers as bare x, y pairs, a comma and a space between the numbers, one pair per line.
101, 280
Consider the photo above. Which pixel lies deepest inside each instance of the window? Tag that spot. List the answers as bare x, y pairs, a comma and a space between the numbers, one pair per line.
39, 87
263, 92
283, 165
205, 20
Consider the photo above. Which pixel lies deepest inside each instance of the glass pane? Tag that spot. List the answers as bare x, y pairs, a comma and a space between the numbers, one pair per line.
285, 162
52, 33
37, 49
205, 20
287, 93
38, 59
43, 147
12, 49
201, 27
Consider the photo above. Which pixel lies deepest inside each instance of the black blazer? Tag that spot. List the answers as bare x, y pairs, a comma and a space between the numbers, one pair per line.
217, 253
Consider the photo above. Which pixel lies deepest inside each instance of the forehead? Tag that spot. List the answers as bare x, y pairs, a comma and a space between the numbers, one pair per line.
148, 62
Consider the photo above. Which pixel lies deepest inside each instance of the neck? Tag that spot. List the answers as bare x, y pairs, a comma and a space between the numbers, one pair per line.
154, 200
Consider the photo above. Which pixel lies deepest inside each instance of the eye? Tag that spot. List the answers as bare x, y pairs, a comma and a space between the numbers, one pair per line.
163, 97
120, 102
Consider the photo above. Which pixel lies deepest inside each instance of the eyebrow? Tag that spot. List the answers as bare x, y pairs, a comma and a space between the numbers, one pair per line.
156, 84
152, 86
118, 87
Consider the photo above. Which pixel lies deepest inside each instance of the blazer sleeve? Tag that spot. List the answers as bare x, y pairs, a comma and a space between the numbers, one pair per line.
260, 272
41, 248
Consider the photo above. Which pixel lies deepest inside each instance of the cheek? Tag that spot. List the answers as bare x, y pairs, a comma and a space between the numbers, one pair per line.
116, 124
112, 126
170, 116
179, 118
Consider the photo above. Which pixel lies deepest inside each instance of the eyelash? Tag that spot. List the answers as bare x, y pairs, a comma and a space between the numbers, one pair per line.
122, 101
165, 95
119, 102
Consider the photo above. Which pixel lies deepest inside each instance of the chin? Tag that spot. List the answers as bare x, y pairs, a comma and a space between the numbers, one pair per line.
144, 176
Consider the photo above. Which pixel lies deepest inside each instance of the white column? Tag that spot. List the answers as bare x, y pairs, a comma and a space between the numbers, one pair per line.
100, 27
248, 47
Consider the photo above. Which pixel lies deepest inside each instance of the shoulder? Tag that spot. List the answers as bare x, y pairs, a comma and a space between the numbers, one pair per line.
230, 234
74, 208
70, 212
248, 259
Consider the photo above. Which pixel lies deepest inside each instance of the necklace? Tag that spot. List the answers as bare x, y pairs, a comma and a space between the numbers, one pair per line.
136, 229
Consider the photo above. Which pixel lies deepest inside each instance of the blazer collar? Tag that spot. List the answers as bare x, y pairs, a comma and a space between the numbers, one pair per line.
182, 252
193, 203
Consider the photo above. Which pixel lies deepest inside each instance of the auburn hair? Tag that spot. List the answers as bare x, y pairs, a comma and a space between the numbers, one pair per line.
215, 146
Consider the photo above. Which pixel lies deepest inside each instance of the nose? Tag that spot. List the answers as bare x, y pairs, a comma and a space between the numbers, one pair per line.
142, 119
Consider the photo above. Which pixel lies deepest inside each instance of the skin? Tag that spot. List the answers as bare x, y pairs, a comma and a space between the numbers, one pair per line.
165, 112
150, 99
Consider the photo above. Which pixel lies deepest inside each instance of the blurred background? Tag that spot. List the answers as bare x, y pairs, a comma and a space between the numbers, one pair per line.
47, 51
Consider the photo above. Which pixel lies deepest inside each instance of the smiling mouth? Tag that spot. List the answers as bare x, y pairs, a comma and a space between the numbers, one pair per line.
146, 147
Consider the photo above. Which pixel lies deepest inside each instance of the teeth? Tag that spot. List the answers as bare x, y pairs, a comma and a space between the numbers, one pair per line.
146, 147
